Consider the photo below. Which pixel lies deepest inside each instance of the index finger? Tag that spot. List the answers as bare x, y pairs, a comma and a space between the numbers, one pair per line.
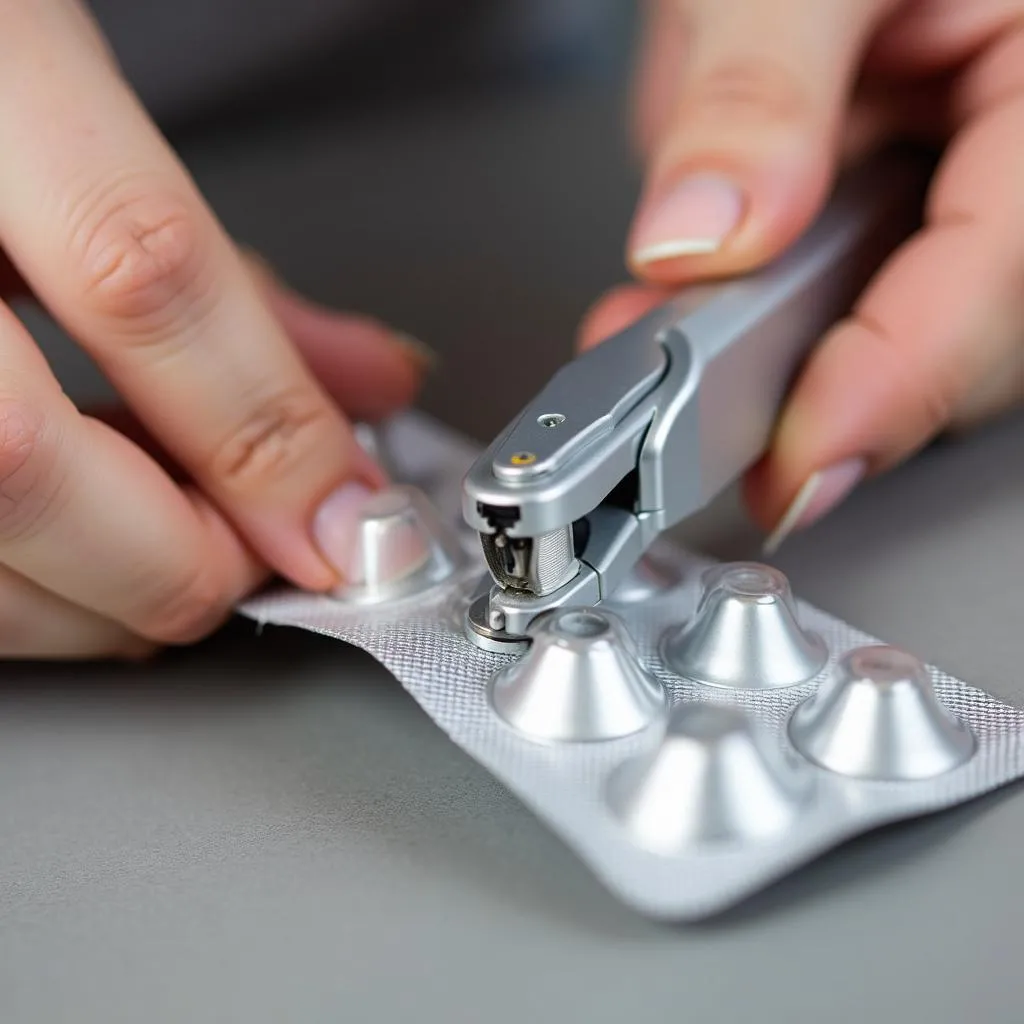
107, 227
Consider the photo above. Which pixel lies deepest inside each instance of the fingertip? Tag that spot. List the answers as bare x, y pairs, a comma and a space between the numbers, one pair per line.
416, 352
368, 367
348, 352
830, 419
369, 370
819, 494
693, 216
615, 311
819, 453
726, 218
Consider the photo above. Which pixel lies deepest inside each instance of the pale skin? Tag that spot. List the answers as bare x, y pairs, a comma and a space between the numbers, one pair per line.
122, 533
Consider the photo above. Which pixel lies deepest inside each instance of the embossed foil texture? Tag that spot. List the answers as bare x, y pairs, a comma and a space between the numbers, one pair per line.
662, 735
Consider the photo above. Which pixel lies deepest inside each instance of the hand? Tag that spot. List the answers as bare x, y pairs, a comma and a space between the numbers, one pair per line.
744, 111
236, 381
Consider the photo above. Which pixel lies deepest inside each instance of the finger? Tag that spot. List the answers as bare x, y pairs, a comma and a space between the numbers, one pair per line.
749, 153
938, 35
340, 349
937, 340
36, 624
616, 310
128, 426
658, 71
371, 370
89, 517
113, 237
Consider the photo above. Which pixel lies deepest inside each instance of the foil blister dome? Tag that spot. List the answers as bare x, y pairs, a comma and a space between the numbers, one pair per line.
745, 633
716, 777
580, 681
877, 717
401, 549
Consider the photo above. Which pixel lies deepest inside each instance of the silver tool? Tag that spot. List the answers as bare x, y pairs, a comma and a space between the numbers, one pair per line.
637, 434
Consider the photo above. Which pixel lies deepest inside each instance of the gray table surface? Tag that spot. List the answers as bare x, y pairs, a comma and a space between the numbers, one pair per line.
266, 829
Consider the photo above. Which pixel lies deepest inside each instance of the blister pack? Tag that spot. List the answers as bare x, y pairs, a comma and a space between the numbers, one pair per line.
693, 739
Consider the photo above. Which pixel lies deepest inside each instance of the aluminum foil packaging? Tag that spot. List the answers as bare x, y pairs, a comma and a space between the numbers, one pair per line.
696, 737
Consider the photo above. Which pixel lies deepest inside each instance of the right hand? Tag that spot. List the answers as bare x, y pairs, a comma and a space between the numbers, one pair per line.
238, 383
746, 110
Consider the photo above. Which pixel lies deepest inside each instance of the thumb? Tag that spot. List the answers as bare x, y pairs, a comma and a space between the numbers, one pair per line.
747, 156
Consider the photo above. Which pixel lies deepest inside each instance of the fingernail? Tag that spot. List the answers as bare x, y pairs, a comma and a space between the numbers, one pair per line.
694, 218
335, 527
419, 353
820, 494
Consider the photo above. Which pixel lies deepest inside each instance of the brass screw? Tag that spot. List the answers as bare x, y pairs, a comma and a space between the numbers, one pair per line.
523, 459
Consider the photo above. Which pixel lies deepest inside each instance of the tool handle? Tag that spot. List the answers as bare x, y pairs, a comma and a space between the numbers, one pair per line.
733, 356
688, 396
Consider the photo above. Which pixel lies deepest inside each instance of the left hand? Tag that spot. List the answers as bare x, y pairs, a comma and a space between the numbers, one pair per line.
744, 112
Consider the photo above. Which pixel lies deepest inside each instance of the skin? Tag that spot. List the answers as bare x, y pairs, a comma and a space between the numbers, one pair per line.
776, 95
121, 530
234, 384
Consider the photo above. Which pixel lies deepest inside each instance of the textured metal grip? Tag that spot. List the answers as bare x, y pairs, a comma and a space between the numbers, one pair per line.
536, 565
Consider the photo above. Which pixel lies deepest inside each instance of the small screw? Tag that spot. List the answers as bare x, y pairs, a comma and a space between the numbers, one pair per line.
523, 459
551, 419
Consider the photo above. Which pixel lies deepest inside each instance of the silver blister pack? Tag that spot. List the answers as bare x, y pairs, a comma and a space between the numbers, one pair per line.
693, 739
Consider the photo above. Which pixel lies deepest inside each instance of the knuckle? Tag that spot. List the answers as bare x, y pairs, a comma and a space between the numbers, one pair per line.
29, 486
749, 90
139, 254
277, 434
183, 609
